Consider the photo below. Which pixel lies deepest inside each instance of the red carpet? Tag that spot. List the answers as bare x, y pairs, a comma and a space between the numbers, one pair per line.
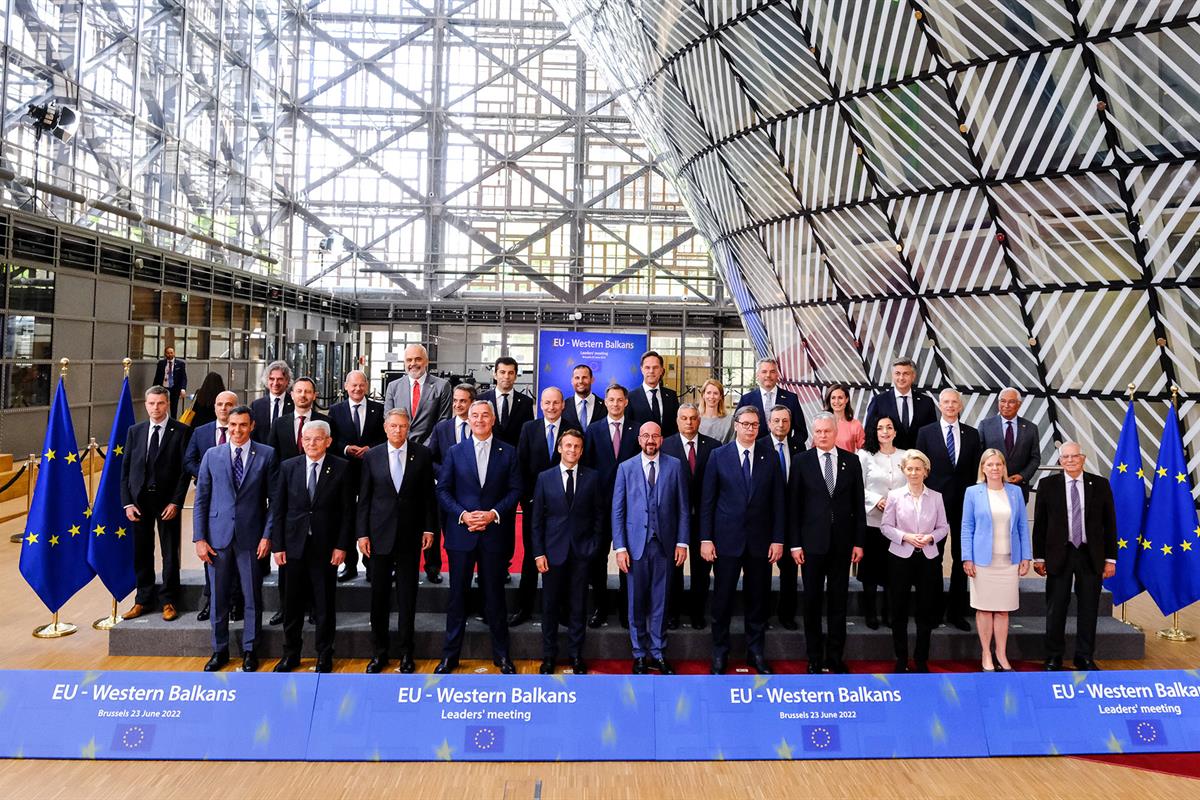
518, 552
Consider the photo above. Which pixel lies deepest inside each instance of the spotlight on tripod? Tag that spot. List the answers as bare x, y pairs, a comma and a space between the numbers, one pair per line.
59, 121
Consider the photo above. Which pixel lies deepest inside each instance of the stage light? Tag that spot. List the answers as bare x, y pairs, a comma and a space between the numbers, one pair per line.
58, 121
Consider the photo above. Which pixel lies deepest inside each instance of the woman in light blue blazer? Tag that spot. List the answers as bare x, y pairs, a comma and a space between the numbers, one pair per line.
996, 550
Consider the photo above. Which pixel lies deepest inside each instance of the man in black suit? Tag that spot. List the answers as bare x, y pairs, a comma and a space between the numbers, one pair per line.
171, 374
357, 425
314, 508
582, 408
785, 448
1014, 436
1074, 540
692, 448
954, 450
397, 515
568, 514
607, 443
653, 402
537, 451
446, 433
828, 527
911, 409
513, 409
275, 403
770, 394
153, 486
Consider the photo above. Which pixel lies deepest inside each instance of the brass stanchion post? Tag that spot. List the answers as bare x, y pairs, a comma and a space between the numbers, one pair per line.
56, 629
1176, 633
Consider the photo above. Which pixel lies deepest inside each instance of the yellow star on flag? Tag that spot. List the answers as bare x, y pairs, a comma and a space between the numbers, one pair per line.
87, 512
1186, 545
53, 541
1141, 473
120, 533
1122, 543
118, 450
31, 538
1166, 549
1122, 468
783, 749
443, 752
1179, 477
99, 530
49, 455
1197, 531
73, 530
1146, 544
1162, 472
72, 458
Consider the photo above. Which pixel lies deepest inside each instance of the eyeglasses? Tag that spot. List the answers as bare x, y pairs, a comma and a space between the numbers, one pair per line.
752, 424
1070, 456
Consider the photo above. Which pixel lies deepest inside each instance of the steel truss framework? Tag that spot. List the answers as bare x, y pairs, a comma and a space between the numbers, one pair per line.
1004, 191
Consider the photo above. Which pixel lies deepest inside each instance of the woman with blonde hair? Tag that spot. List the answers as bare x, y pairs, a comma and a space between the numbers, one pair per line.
715, 420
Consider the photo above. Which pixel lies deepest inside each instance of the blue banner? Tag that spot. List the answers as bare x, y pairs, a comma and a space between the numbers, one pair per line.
613, 357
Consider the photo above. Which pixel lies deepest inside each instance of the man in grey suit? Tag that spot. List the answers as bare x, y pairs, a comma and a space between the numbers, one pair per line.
425, 397
1016, 437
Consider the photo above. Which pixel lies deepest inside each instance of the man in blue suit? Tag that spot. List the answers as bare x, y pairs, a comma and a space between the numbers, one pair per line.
1016, 437
568, 515
742, 532
649, 511
447, 433
478, 489
232, 524
171, 373
909, 408
770, 394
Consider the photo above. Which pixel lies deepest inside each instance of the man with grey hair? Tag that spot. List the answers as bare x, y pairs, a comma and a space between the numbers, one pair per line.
954, 450
277, 379
357, 423
425, 397
1016, 437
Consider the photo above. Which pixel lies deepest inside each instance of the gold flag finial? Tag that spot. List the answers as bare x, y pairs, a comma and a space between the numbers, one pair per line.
127, 362
63, 364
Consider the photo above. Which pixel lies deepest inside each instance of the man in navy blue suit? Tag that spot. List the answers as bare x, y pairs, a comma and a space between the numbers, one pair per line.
232, 523
653, 402
568, 515
478, 488
649, 515
357, 424
785, 448
911, 409
513, 409
446, 433
171, 374
582, 408
770, 394
742, 532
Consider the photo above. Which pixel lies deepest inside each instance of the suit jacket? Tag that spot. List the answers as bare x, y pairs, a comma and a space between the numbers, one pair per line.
923, 412
345, 433
977, 531
737, 518
901, 517
316, 525
283, 437
562, 531
705, 447
598, 451
820, 523
228, 517
520, 411
570, 415
639, 408
444, 437
630, 504
1051, 522
260, 410
169, 475
178, 374
951, 479
799, 432
435, 404
1026, 454
459, 490
385, 515
533, 456
201, 441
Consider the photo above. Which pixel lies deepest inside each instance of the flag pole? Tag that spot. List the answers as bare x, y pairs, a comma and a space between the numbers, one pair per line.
1175, 633
56, 629
91, 456
1131, 389
113, 620
30, 466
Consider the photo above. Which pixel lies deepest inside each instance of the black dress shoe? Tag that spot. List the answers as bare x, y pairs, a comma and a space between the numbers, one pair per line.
699, 623
579, 666
446, 666
872, 622
237, 614
407, 665
325, 662
718, 666
547, 667
760, 665
814, 667
788, 623
921, 666
958, 622
219, 659
1086, 665
376, 665
507, 667
276, 618
249, 661
433, 577
1053, 664
901, 666
639, 666
518, 617
202, 615
286, 664
597, 619
664, 668
673, 623
347, 575
837, 666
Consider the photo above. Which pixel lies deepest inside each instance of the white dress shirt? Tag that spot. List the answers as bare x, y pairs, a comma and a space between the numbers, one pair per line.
944, 423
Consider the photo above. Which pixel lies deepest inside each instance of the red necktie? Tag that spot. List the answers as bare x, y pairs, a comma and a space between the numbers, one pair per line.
299, 433
416, 397
692, 457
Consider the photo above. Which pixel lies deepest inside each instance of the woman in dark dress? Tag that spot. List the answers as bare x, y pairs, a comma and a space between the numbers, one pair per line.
205, 400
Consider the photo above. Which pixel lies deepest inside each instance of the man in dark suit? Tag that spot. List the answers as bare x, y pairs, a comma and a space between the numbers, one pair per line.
954, 450
513, 409
785, 448
275, 403
650, 534
171, 374
606, 444
1014, 436
397, 515
231, 522
770, 394
537, 451
692, 448
653, 402
911, 409
357, 424
314, 507
203, 439
1074, 541
446, 434
153, 487
828, 520
478, 489
568, 513
742, 532
425, 397
582, 402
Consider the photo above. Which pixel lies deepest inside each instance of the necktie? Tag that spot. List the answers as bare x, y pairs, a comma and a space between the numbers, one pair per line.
570, 487
1009, 438
170, 368
950, 444
650, 478
358, 418
583, 414
416, 397
746, 468
299, 433
692, 456
829, 479
312, 482
238, 469
1076, 515
904, 411
616, 439
152, 450
783, 460
275, 411
550, 441
655, 408
503, 410
398, 470
222, 440
462, 432
481, 461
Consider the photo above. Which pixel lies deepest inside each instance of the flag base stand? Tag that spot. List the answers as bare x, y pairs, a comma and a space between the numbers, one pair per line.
16, 538
55, 630
1176, 633
1125, 619
109, 622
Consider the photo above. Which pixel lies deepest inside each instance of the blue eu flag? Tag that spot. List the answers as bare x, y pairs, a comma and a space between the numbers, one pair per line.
822, 738
54, 551
1169, 562
110, 536
484, 739
1128, 481
133, 737
1146, 732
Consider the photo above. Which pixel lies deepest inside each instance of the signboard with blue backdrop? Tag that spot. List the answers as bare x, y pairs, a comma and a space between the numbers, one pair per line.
613, 357
341, 717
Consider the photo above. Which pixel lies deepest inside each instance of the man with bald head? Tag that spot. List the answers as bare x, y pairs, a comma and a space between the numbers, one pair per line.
1016, 437
954, 450
357, 425
425, 397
